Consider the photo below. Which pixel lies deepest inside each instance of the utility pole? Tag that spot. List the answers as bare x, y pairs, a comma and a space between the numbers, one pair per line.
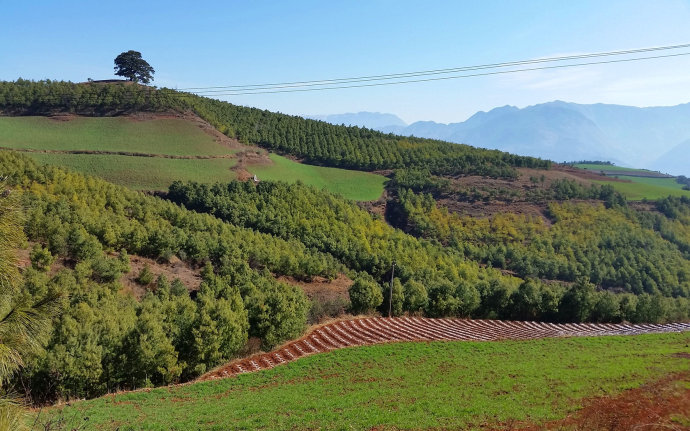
390, 297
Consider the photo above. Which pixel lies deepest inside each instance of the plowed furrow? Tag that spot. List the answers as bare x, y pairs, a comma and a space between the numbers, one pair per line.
375, 330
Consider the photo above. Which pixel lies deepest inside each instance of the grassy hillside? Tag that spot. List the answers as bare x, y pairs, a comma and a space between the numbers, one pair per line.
142, 173
316, 141
647, 188
161, 136
435, 385
601, 167
168, 136
638, 187
356, 185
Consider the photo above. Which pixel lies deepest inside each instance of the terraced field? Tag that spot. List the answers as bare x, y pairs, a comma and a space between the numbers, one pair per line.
368, 331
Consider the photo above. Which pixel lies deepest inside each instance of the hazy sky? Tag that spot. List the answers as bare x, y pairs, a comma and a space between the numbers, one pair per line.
213, 43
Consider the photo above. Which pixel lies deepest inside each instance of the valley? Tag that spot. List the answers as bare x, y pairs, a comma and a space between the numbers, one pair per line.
187, 239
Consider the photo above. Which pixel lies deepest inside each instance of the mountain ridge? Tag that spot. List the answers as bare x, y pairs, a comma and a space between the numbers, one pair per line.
566, 131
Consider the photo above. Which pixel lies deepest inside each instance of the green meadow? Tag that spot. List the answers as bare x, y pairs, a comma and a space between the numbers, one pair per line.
168, 136
596, 167
165, 136
639, 187
355, 185
647, 188
143, 173
434, 385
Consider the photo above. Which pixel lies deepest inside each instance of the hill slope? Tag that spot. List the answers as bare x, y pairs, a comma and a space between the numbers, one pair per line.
314, 141
676, 160
435, 385
148, 151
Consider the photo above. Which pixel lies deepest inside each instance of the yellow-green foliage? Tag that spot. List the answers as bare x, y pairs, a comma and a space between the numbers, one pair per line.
612, 247
11, 235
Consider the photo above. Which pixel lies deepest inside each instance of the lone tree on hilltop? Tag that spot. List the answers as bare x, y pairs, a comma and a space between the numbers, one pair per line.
130, 65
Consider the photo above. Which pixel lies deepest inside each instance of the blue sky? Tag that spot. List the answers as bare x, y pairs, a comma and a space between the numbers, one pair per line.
209, 43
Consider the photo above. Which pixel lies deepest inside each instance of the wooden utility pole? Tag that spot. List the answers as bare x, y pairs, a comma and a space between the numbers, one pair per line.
390, 297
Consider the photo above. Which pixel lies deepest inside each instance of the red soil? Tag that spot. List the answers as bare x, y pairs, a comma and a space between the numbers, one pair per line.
662, 405
367, 331
322, 289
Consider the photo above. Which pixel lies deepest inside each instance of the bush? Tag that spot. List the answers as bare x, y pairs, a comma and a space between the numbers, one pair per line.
416, 298
145, 276
41, 258
365, 295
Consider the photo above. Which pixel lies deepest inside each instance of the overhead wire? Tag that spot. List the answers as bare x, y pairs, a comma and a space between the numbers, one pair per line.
322, 82
378, 84
372, 80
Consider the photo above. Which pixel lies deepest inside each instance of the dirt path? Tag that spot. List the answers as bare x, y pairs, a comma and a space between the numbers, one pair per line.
375, 330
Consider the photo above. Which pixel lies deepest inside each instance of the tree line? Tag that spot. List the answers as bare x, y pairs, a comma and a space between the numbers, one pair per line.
314, 141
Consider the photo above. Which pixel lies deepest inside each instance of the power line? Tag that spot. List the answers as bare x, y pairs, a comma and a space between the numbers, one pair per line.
175, 93
378, 84
251, 87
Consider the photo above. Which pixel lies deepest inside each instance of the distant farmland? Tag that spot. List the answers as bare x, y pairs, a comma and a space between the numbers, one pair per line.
356, 185
643, 184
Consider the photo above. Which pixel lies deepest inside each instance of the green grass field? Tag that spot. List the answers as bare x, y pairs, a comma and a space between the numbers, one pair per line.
161, 136
439, 385
647, 188
639, 187
175, 137
356, 185
143, 173
594, 167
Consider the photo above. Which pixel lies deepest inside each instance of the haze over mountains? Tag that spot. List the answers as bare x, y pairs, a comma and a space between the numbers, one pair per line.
654, 138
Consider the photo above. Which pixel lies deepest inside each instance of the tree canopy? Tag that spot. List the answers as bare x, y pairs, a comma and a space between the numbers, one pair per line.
130, 65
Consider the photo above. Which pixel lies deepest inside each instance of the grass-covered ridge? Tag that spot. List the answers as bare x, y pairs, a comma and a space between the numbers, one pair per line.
56, 142
400, 386
314, 141
117, 149
356, 185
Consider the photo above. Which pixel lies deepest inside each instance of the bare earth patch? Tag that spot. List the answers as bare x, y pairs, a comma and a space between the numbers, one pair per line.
189, 276
174, 269
525, 183
661, 405
322, 289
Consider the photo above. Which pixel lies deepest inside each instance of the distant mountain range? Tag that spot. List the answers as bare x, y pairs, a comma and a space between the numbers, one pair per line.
653, 138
